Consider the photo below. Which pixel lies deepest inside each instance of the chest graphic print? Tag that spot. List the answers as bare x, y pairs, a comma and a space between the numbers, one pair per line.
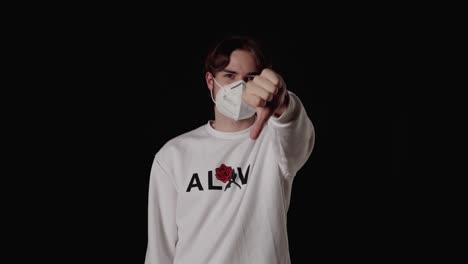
224, 175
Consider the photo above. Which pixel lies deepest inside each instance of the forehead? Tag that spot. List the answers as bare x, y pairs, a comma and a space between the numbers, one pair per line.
242, 61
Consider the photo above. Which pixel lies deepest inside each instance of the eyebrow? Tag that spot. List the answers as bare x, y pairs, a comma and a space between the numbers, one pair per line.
234, 72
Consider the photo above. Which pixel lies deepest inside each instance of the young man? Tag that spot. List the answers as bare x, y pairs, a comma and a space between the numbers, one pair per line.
219, 194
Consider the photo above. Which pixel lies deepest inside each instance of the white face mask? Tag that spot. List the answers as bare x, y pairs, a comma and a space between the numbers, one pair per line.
229, 101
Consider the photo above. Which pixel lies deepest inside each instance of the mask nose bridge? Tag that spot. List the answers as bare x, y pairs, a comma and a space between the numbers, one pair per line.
235, 86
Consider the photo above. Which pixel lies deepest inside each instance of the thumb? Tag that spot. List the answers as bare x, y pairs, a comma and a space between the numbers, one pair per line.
262, 117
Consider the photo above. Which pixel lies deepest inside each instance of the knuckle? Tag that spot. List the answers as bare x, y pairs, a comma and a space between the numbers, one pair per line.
275, 81
271, 88
265, 71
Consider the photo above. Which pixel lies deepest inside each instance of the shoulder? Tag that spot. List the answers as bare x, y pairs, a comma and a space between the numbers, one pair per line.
179, 144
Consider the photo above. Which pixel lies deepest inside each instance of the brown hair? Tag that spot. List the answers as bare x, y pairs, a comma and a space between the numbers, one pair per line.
219, 54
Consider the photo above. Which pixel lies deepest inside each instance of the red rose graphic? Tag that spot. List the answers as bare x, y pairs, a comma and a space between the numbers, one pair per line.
224, 173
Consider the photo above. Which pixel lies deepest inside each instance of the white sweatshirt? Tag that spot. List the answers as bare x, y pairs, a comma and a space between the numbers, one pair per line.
222, 198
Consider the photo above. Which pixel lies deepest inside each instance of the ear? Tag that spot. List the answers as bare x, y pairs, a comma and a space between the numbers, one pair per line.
209, 80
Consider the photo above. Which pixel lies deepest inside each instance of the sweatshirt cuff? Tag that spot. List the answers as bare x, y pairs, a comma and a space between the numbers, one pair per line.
289, 114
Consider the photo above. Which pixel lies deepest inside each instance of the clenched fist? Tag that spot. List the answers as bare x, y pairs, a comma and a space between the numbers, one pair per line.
267, 93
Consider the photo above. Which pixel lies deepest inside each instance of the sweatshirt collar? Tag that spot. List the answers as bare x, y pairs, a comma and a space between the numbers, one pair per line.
226, 135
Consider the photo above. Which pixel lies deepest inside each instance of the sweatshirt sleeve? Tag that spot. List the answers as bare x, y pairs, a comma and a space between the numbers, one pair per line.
294, 136
162, 228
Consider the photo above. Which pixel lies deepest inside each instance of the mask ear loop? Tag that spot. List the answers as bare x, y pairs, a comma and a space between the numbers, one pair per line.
211, 90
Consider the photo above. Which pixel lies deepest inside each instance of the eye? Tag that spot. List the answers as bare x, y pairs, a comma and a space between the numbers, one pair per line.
229, 76
249, 78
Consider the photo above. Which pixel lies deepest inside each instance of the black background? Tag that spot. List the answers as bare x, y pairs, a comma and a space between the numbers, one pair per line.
124, 92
